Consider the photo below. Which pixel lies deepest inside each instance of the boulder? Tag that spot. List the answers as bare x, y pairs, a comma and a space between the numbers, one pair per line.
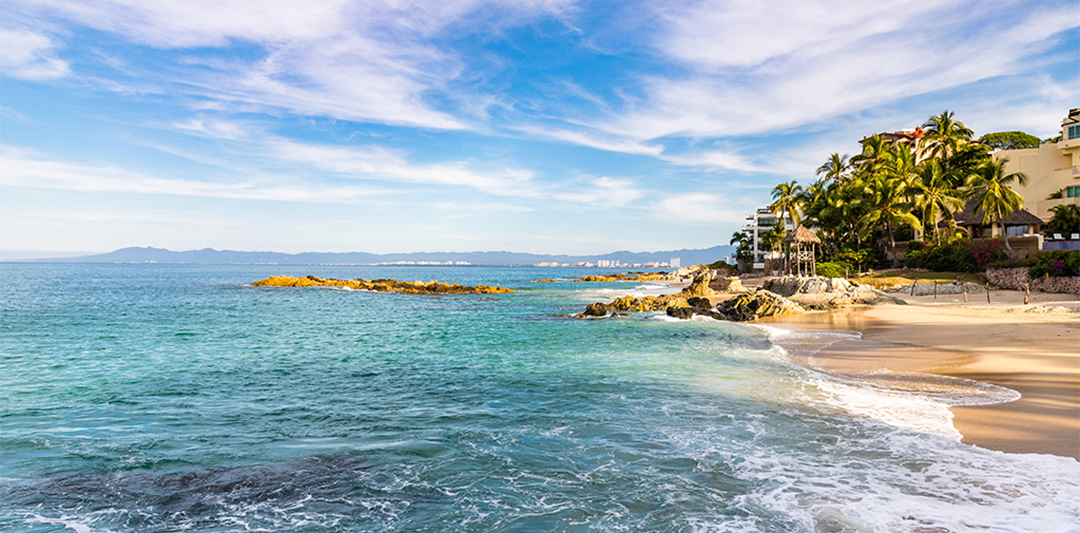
726, 284
821, 293
698, 302
684, 313
757, 304
595, 309
700, 286
787, 286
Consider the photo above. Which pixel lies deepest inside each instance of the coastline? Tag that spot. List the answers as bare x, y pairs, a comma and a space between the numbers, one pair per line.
1033, 350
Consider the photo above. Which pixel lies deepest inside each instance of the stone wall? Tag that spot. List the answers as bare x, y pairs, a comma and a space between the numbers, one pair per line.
1015, 278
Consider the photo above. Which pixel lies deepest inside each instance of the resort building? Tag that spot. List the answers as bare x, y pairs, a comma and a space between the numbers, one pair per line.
909, 137
758, 224
1053, 169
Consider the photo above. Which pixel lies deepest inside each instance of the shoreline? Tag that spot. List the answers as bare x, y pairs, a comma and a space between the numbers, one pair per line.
1033, 350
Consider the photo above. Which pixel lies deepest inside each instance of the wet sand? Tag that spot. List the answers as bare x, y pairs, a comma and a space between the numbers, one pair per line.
1033, 349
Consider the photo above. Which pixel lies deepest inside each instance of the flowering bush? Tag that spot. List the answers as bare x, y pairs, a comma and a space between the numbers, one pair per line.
1056, 264
961, 256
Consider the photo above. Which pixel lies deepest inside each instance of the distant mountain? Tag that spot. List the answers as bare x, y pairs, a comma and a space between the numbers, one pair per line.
211, 256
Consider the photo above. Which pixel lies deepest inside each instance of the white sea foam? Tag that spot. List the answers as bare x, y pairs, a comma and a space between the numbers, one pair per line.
918, 402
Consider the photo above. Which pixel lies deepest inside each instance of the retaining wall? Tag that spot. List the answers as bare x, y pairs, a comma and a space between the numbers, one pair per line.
1015, 278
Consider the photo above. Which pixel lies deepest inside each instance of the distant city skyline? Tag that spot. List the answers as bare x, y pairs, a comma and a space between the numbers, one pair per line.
540, 126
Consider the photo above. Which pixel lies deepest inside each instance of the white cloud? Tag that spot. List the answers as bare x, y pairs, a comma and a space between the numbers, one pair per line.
698, 207
22, 168
30, 55
753, 68
604, 191
365, 61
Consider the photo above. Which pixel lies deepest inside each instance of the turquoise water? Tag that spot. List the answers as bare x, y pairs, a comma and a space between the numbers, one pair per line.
178, 398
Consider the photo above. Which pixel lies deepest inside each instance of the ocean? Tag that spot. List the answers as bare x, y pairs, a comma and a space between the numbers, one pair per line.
156, 398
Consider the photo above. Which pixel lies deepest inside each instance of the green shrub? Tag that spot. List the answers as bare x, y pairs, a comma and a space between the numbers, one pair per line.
1056, 263
960, 256
831, 269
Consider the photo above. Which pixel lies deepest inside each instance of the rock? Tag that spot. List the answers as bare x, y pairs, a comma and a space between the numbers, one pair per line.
821, 293
380, 285
726, 284
787, 286
684, 313
677, 301
700, 286
702, 303
757, 304
595, 309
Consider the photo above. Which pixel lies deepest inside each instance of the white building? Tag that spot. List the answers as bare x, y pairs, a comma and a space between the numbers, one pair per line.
759, 223
676, 262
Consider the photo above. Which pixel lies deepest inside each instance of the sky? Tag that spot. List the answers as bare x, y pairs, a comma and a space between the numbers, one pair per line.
543, 126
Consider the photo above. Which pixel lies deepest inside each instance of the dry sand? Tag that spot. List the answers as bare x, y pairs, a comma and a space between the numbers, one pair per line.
1032, 349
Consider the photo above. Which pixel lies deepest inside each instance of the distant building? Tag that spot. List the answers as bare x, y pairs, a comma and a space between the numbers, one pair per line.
1050, 168
676, 262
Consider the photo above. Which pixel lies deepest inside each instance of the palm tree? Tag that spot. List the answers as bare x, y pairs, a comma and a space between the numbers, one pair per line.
786, 201
944, 135
836, 168
885, 207
989, 188
875, 152
900, 165
935, 195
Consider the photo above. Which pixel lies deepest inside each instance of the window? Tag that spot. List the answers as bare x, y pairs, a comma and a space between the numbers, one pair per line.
1074, 132
1072, 191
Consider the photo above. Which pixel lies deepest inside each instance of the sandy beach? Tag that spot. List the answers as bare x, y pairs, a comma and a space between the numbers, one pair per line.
1032, 349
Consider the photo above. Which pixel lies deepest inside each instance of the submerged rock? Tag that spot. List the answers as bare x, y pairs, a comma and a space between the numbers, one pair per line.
380, 285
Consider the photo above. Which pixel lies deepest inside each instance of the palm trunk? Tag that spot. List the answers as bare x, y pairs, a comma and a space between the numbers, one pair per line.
1005, 234
892, 244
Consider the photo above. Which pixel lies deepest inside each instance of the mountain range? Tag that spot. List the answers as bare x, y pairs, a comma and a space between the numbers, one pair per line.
211, 256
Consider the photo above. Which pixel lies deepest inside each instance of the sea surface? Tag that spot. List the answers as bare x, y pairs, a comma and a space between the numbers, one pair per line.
148, 398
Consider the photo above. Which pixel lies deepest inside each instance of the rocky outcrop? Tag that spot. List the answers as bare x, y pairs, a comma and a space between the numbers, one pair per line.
630, 276
821, 293
632, 304
791, 285
710, 283
1016, 278
380, 285
726, 284
758, 304
742, 308
700, 286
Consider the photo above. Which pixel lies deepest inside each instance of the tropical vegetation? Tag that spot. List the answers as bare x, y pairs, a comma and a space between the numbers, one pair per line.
906, 189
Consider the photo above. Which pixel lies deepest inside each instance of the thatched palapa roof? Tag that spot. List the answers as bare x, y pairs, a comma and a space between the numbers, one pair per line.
802, 235
970, 217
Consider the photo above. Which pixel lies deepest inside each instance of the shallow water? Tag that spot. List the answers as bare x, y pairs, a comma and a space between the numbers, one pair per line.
178, 398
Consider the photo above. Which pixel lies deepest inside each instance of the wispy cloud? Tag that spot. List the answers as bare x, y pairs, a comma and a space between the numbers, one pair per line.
30, 55
374, 61
23, 168
753, 68
603, 191
701, 208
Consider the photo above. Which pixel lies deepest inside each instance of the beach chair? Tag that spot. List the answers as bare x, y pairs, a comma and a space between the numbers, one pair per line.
1075, 236
1057, 236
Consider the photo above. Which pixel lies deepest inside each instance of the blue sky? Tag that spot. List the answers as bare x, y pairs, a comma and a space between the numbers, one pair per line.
545, 126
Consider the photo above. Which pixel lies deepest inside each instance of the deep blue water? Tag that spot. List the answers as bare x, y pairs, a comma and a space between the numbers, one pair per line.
179, 398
